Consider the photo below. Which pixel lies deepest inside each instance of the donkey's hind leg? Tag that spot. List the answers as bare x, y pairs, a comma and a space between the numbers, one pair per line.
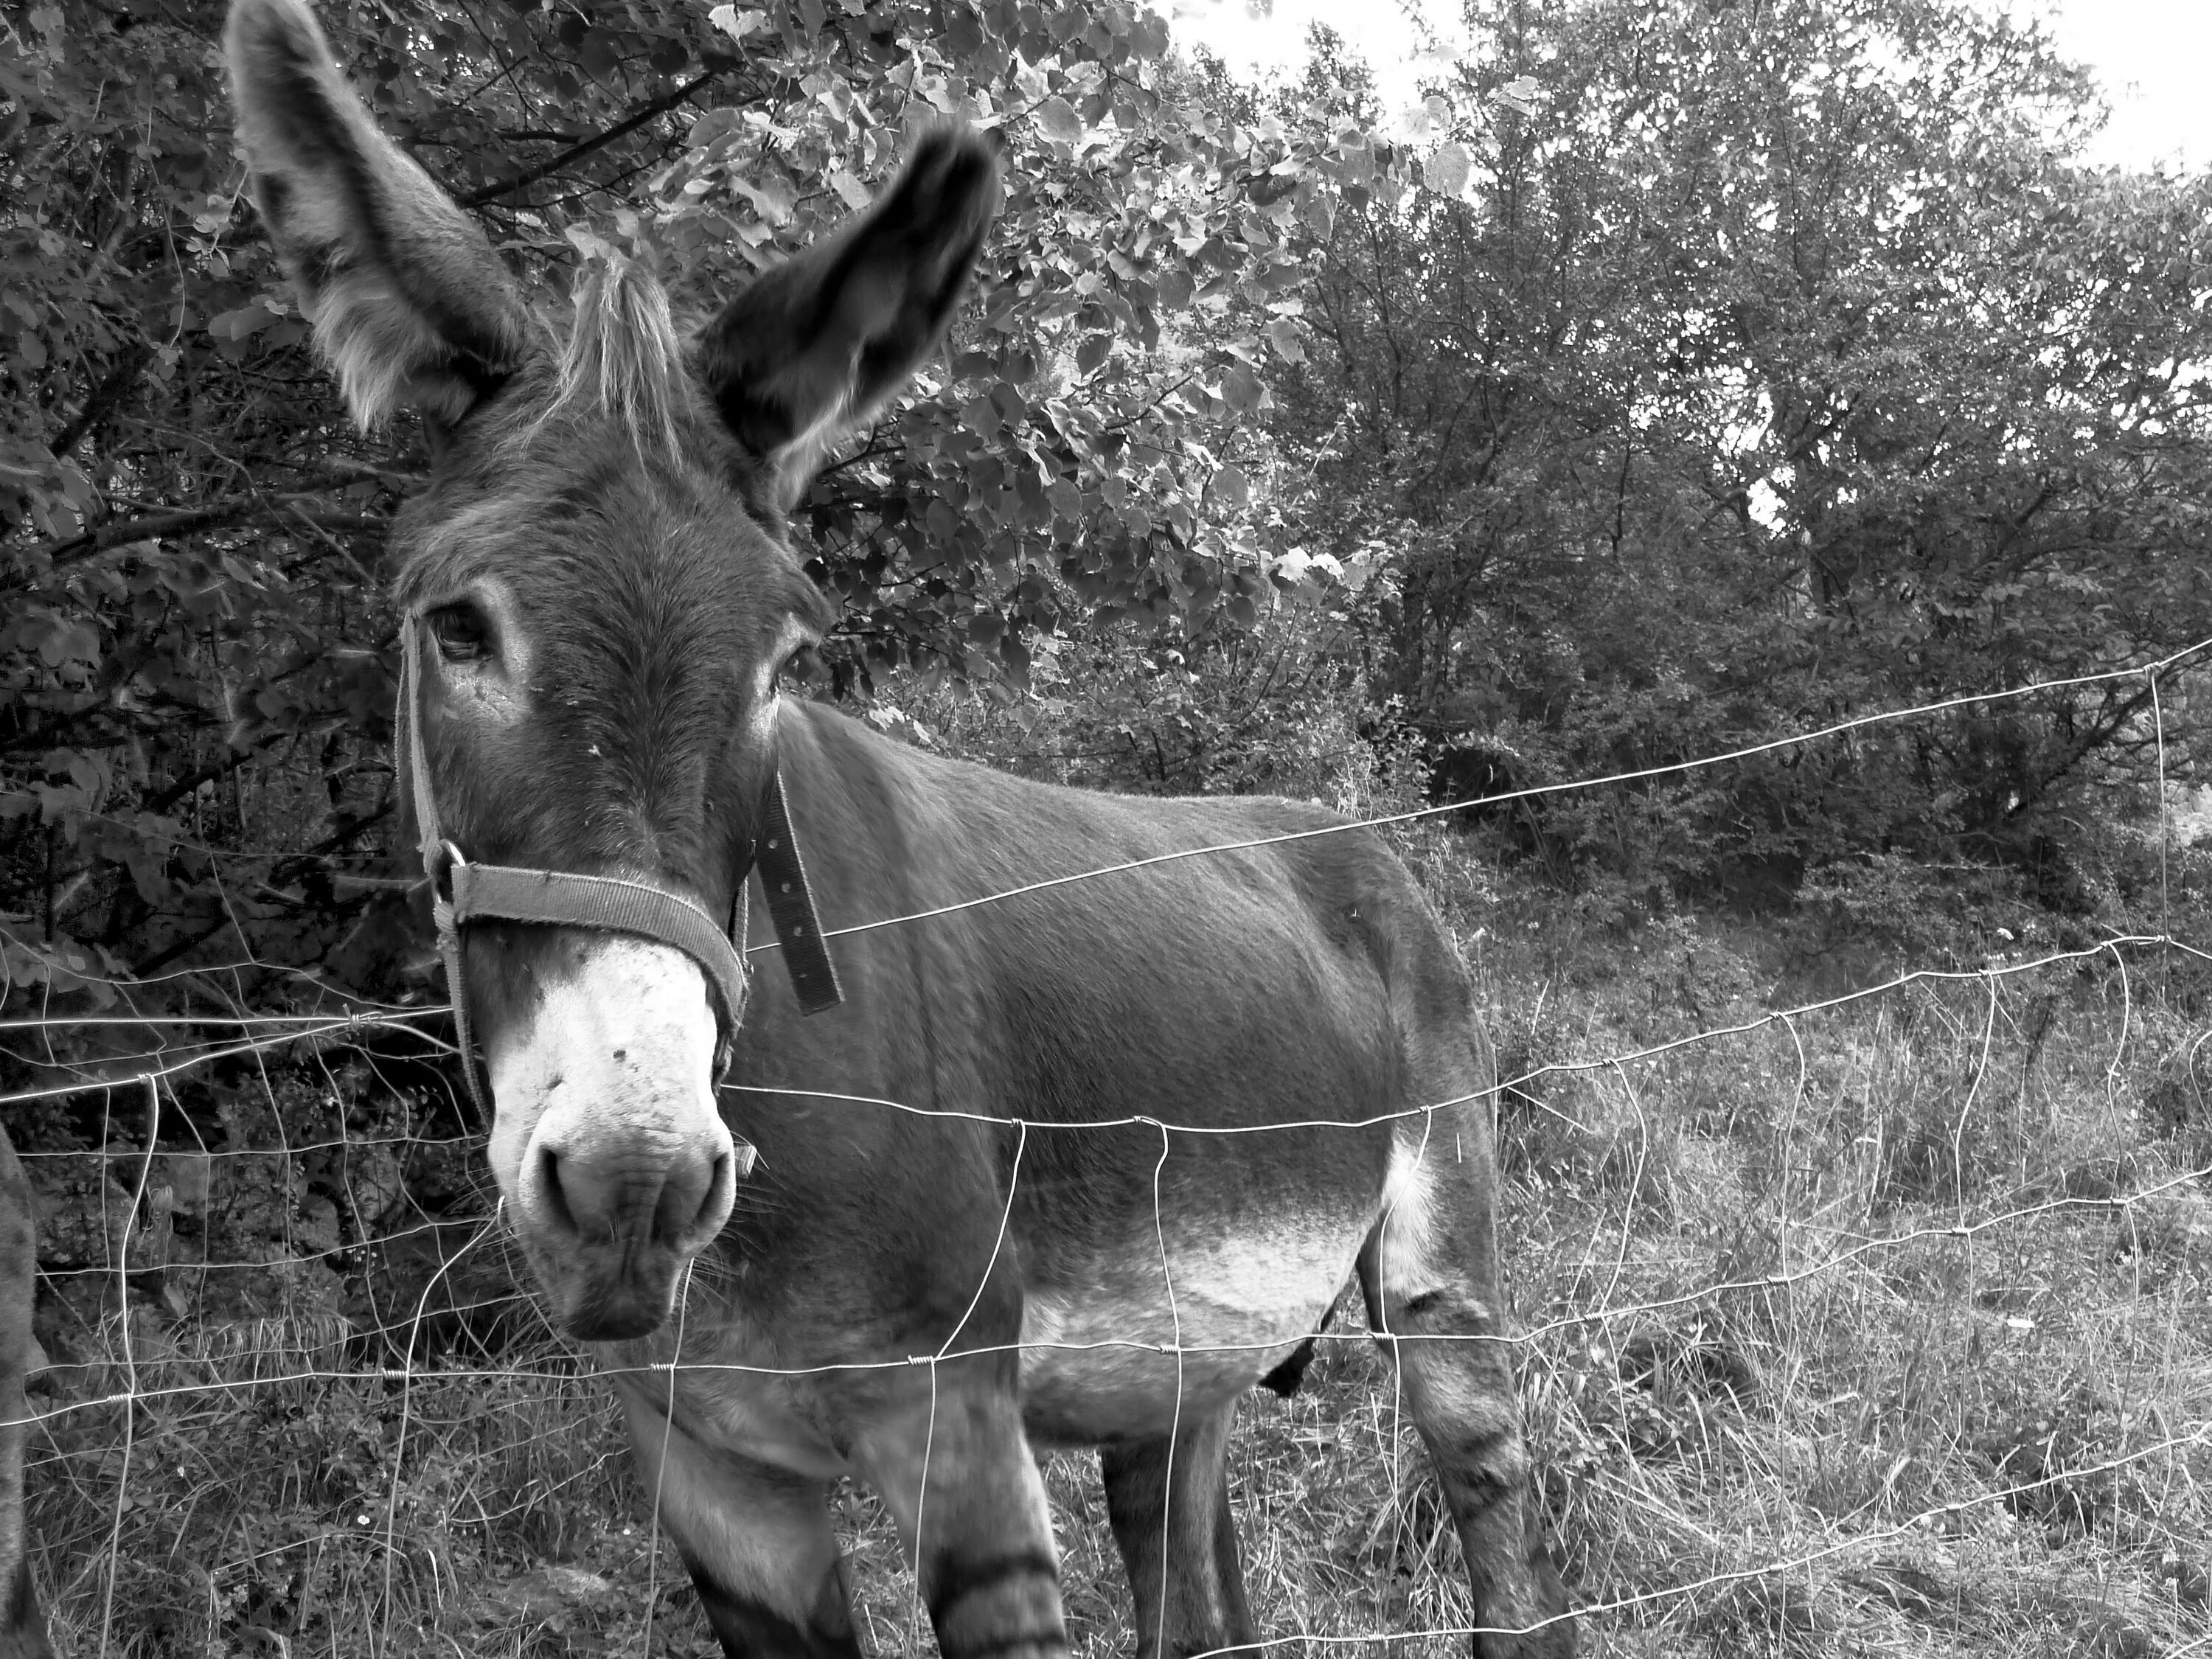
757, 1541
1434, 1299
1170, 1510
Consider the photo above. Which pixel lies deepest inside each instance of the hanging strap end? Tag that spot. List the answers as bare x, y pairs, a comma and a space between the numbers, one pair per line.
791, 906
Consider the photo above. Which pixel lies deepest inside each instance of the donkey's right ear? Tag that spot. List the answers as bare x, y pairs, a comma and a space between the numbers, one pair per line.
410, 306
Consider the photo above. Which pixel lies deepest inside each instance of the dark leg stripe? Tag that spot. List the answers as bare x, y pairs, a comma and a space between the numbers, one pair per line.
24, 1635
1479, 1489
1476, 1445
1051, 1641
957, 1579
750, 1630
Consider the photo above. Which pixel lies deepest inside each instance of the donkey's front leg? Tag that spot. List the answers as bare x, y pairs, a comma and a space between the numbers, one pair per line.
757, 1540
952, 1464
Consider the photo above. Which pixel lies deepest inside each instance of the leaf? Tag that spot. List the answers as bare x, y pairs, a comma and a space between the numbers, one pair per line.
1232, 489
1283, 334
963, 33
1242, 389
1057, 119
771, 197
1358, 153
601, 51
1446, 171
238, 325
1520, 93
713, 122
735, 23
854, 192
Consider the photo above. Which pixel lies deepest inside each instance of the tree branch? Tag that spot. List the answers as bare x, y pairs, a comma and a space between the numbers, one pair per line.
284, 871
164, 799
221, 515
622, 129
101, 401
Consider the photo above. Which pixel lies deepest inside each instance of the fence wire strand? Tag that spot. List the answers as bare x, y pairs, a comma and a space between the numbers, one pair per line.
1806, 1252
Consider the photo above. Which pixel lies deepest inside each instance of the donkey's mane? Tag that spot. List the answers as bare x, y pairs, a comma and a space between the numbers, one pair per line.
563, 450
623, 358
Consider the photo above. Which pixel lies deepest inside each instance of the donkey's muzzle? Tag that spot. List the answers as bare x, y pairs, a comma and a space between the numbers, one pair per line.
615, 1162
610, 1241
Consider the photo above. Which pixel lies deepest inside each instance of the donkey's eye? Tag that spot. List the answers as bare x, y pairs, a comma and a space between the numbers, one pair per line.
460, 632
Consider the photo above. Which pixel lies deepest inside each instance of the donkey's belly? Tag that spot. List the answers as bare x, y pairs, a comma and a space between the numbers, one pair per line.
1106, 1353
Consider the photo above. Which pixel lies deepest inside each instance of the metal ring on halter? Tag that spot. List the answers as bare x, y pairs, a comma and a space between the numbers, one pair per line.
448, 858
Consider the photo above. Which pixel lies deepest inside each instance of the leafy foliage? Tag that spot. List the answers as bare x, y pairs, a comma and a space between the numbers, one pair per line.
1670, 379
194, 674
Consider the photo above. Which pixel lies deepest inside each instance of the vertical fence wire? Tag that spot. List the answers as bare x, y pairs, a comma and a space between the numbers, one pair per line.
164, 1062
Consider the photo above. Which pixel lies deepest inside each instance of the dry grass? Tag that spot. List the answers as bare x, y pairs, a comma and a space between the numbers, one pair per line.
1881, 1330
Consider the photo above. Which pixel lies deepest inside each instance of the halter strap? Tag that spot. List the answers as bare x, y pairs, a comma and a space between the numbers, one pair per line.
462, 892
791, 906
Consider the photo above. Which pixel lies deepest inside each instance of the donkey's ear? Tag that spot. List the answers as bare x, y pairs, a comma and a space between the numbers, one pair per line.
410, 305
810, 348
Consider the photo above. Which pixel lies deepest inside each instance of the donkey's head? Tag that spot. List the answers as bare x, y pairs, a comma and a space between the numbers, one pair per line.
602, 598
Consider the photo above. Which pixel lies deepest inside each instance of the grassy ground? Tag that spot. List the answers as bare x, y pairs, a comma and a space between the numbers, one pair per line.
1879, 1329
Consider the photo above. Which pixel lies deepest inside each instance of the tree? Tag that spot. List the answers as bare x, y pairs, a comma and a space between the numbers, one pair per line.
1750, 368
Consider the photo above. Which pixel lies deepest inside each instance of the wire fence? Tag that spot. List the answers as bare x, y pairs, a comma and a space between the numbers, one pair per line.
1692, 1278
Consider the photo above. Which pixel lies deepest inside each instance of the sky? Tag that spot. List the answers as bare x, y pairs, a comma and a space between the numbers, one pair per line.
2152, 58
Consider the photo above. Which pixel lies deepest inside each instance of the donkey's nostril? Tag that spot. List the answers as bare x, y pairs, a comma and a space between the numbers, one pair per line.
691, 1202
714, 1204
549, 1186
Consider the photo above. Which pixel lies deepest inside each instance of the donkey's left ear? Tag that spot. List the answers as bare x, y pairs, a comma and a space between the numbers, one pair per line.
813, 347
410, 305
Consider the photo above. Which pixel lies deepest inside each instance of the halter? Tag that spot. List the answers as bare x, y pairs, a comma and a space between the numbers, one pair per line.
462, 892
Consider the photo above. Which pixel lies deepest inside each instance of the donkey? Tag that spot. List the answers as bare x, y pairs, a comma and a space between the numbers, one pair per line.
22, 1628
1076, 1168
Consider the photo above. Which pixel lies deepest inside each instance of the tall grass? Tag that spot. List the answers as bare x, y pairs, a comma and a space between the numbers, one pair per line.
1880, 1329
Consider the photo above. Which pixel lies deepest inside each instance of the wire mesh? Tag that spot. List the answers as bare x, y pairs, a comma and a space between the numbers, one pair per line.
1626, 1349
